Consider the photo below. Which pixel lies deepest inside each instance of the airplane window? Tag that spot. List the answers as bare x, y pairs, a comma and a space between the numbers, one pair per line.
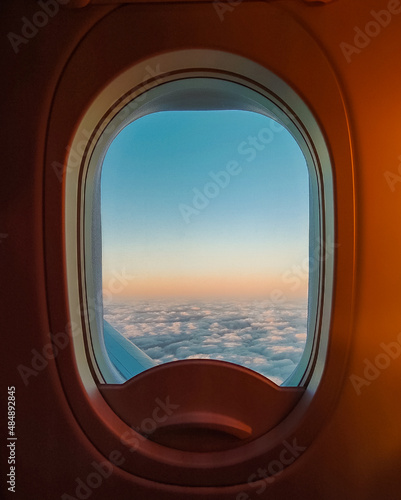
205, 229
200, 252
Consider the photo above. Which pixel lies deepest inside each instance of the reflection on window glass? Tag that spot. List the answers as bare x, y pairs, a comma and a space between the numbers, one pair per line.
205, 239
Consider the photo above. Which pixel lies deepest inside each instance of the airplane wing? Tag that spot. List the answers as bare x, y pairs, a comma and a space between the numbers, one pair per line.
128, 359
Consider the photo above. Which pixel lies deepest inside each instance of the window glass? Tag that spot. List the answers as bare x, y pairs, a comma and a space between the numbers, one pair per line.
205, 240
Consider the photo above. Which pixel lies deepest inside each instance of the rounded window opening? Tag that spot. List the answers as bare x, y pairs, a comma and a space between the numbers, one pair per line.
204, 219
205, 242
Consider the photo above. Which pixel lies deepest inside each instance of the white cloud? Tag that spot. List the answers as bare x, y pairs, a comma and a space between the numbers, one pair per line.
250, 333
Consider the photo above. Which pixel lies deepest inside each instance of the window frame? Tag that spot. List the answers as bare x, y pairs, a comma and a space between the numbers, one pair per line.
152, 98
69, 122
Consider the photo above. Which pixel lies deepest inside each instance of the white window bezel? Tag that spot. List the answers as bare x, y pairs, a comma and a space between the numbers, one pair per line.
100, 118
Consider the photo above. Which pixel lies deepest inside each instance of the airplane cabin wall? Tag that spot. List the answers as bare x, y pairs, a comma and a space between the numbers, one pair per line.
357, 453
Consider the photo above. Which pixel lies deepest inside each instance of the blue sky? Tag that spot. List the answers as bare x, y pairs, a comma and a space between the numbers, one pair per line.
234, 239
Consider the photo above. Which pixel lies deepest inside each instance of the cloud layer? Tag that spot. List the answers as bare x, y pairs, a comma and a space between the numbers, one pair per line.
253, 333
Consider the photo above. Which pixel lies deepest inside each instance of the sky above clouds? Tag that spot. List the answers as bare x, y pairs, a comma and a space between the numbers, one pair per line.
239, 241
